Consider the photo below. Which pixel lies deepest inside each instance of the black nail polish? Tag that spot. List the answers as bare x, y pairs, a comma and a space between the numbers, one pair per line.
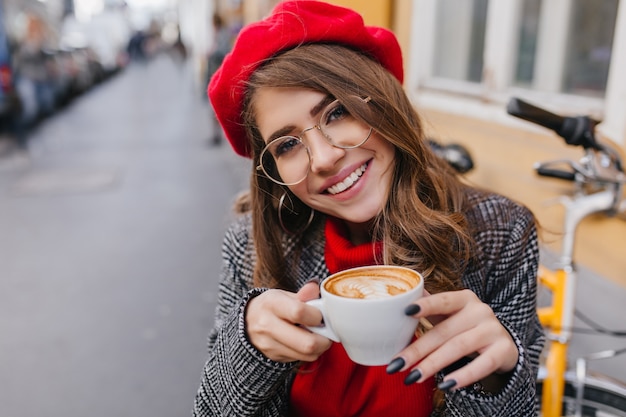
395, 365
412, 377
412, 309
447, 385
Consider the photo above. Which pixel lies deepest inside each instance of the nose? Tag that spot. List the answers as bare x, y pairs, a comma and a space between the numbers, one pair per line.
324, 155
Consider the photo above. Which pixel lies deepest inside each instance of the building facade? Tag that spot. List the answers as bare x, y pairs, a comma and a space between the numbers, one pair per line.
471, 56
566, 55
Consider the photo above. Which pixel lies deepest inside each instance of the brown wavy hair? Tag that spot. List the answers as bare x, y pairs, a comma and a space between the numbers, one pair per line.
422, 225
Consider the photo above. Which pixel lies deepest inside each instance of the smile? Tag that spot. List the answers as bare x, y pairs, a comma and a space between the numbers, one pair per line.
348, 182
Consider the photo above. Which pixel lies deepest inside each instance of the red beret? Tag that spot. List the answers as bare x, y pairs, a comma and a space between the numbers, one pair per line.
290, 24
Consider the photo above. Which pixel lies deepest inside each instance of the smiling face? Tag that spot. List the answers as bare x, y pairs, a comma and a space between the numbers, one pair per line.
350, 184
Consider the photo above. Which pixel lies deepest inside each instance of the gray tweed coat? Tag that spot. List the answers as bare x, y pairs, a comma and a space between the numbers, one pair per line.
239, 381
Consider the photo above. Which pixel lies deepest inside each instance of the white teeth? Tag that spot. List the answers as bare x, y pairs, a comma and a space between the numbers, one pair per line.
348, 182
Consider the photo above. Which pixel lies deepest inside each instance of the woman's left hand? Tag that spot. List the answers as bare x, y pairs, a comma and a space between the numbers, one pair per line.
464, 327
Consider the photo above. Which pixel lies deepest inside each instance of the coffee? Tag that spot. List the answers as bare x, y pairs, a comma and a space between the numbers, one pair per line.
363, 309
372, 283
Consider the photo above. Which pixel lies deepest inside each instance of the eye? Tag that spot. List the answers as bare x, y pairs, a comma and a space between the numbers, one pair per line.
285, 146
335, 112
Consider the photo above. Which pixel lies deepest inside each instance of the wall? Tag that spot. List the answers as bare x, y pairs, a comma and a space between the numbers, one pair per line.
500, 44
375, 13
504, 155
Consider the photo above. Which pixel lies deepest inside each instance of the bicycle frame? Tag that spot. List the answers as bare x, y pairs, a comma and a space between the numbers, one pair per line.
599, 177
559, 316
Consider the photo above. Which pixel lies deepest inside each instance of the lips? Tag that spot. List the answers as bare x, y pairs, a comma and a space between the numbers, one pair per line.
348, 182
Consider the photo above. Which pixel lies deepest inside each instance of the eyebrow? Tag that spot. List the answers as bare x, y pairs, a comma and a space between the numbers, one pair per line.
315, 110
321, 105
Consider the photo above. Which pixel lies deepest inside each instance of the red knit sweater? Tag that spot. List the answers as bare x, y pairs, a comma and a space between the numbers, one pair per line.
333, 385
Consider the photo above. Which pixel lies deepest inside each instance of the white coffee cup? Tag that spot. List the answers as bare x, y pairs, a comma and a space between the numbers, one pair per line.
363, 309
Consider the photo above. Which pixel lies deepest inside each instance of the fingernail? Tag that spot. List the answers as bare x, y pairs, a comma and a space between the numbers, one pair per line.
412, 309
395, 365
412, 377
315, 280
447, 385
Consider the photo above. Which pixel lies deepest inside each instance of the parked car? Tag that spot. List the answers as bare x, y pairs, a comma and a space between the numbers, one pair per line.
9, 102
84, 69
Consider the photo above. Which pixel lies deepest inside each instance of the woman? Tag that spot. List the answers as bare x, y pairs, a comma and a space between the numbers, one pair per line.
341, 177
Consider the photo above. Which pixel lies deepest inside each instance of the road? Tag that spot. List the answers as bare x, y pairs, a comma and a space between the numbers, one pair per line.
110, 239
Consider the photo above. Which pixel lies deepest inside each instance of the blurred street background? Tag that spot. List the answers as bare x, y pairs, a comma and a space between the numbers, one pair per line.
115, 191
114, 198
111, 225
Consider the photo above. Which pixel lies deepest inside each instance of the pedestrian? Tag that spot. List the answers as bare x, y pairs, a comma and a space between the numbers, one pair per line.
221, 46
33, 83
342, 176
179, 50
136, 47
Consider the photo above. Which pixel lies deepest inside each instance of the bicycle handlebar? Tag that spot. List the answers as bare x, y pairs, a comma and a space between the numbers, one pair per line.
556, 173
601, 163
576, 130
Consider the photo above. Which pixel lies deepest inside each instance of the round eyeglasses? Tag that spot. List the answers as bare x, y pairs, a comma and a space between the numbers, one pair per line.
286, 160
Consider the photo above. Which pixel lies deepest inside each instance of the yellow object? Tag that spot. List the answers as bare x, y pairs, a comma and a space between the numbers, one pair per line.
552, 318
375, 13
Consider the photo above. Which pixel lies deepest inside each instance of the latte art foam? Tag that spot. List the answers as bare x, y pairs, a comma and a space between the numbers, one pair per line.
369, 287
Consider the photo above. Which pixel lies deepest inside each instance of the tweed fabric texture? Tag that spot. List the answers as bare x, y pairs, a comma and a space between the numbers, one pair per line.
240, 381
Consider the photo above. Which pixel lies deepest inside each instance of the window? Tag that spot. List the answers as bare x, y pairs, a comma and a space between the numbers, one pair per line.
565, 47
588, 53
527, 47
460, 39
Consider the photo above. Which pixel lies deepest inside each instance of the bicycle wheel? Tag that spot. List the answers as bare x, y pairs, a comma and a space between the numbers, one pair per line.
602, 396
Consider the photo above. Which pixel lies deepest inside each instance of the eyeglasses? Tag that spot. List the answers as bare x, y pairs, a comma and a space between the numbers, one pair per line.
287, 160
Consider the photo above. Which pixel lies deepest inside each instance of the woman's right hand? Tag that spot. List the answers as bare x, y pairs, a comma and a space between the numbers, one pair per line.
272, 324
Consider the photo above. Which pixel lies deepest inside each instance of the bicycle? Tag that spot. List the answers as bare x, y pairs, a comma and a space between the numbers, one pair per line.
599, 184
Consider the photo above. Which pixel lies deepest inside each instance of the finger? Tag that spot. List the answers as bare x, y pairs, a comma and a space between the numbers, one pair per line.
472, 371
304, 314
423, 354
445, 327
307, 346
287, 306
282, 340
458, 335
438, 335
488, 341
445, 354
310, 290
295, 344
438, 307
442, 304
